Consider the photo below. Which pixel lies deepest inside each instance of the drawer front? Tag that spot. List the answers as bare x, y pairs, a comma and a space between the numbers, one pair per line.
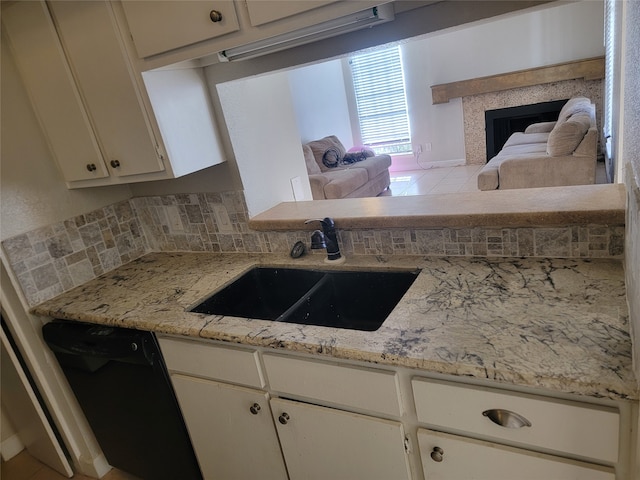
200, 359
465, 458
363, 388
569, 427
158, 27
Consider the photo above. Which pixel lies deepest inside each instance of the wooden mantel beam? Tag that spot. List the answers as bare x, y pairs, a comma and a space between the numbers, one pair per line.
589, 69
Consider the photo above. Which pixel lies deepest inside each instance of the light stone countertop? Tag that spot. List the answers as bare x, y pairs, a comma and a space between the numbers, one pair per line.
558, 324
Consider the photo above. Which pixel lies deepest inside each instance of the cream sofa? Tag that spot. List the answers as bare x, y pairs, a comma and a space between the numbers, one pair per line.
331, 176
548, 154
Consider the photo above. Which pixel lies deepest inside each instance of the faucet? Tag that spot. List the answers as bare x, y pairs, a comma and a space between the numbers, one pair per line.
326, 238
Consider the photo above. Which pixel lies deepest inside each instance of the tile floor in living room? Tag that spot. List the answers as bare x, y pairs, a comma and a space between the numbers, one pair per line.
446, 180
24, 467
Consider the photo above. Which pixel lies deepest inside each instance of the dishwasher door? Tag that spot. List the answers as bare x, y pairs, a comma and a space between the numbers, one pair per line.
121, 383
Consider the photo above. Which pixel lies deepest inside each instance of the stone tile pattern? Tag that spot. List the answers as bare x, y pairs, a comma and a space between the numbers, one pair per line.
56, 258
473, 108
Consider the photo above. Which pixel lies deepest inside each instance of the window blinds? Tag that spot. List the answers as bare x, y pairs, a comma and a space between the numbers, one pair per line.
378, 83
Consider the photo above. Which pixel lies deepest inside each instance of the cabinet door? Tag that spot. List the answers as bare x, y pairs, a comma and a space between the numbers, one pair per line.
49, 81
231, 430
106, 80
456, 458
161, 26
265, 11
323, 443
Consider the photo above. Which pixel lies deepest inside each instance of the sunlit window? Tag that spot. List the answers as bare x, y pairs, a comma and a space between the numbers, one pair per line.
378, 81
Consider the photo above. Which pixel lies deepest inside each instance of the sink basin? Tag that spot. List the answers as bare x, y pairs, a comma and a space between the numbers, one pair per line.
358, 300
263, 293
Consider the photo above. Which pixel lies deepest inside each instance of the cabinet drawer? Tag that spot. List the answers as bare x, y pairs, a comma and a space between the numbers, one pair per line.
158, 27
463, 458
569, 427
349, 386
200, 359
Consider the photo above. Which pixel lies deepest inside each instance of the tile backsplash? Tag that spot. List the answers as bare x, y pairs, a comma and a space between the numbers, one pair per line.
56, 258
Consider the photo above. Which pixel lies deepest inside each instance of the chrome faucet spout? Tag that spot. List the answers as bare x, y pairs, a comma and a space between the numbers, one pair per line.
327, 238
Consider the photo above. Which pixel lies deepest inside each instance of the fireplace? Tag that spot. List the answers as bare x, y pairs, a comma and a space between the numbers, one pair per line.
502, 122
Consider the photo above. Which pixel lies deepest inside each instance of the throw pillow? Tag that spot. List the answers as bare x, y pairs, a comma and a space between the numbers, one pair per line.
565, 137
331, 158
319, 147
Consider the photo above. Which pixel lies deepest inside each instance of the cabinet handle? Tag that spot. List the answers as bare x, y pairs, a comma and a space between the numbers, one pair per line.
437, 454
91, 167
255, 408
115, 163
506, 419
215, 16
284, 418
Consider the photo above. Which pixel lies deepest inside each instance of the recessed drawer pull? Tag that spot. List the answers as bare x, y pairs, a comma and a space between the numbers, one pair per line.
505, 418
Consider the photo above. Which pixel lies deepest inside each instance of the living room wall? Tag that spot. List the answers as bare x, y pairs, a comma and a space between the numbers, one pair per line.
512, 42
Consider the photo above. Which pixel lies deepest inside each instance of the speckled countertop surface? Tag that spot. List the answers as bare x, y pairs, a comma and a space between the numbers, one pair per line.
558, 324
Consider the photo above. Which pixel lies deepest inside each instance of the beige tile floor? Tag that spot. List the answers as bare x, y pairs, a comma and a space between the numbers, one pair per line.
24, 467
446, 180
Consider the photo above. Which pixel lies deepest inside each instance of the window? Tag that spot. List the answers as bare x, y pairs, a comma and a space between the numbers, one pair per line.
378, 82
609, 42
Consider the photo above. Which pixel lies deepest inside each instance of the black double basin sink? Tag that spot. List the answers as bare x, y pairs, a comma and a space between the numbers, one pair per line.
357, 300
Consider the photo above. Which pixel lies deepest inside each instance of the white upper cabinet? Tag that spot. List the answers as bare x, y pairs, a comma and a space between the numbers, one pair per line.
50, 84
265, 11
169, 32
103, 124
158, 27
107, 84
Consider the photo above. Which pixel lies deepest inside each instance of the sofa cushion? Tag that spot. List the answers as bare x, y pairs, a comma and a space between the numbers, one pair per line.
525, 148
310, 161
343, 182
519, 138
374, 166
319, 147
574, 106
566, 136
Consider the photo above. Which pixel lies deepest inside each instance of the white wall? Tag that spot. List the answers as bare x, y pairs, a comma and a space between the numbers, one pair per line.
32, 192
260, 117
320, 102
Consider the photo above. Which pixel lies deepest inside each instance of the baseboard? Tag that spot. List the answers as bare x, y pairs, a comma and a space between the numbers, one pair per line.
10, 447
403, 163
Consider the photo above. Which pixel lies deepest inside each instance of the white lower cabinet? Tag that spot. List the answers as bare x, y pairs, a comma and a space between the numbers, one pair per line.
452, 457
325, 443
231, 429
253, 413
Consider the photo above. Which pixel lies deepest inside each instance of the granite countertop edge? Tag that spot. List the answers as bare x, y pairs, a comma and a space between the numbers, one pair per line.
553, 324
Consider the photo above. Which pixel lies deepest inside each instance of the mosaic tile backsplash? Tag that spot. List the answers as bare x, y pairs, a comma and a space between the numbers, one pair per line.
56, 258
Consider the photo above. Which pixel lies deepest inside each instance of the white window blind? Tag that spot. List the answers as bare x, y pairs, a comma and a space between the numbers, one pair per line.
378, 82
609, 42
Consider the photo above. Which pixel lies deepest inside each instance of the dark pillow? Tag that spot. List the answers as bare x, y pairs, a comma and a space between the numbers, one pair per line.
331, 158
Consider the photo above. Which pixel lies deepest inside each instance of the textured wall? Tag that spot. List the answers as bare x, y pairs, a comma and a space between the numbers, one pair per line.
631, 159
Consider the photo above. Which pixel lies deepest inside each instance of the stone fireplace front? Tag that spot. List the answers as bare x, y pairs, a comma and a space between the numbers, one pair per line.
475, 106
550, 83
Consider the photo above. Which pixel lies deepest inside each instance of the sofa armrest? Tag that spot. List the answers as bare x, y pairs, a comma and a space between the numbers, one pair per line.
317, 183
541, 127
546, 171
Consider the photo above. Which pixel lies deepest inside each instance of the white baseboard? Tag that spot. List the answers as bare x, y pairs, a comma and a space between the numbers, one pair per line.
10, 447
403, 163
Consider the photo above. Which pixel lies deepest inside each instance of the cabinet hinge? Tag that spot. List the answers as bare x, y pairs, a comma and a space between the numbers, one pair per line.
159, 152
407, 445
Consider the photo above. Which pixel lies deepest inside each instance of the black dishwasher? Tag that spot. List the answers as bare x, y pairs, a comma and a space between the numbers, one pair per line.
120, 380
